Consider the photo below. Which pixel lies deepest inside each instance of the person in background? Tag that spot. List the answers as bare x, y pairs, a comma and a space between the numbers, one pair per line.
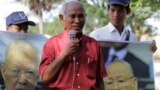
120, 76
20, 70
18, 22
116, 30
72, 62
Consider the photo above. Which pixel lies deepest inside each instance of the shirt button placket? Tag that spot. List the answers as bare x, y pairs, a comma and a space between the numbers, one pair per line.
78, 75
77, 63
78, 86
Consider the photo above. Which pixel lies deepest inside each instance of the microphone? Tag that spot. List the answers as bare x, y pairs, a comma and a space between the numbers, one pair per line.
72, 35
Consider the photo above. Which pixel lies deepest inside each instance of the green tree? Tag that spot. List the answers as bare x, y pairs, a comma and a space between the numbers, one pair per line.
97, 17
50, 28
141, 10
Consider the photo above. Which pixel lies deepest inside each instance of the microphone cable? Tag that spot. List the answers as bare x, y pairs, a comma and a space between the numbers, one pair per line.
74, 69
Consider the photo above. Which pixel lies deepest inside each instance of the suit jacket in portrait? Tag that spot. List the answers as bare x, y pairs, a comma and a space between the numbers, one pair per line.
140, 68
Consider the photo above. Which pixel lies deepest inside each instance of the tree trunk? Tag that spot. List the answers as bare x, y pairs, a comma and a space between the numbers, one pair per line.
40, 16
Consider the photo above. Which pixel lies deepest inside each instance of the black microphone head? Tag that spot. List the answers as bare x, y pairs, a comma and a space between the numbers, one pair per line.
72, 34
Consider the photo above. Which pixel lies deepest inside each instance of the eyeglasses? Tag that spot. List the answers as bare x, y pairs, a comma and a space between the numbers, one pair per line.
120, 82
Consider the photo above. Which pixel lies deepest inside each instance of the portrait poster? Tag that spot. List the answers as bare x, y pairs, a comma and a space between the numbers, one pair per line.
138, 55
35, 40
6, 38
157, 74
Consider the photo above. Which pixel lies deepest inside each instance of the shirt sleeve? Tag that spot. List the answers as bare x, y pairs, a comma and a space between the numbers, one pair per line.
47, 56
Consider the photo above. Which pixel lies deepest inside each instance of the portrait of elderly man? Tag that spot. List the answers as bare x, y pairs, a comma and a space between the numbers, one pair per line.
120, 76
20, 70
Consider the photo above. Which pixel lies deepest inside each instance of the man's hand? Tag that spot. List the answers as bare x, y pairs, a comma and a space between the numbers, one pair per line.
153, 47
71, 48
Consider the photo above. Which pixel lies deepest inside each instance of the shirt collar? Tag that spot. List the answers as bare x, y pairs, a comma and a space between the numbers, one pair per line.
120, 54
112, 28
66, 37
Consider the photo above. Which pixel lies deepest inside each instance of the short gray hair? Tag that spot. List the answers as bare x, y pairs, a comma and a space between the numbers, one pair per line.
64, 6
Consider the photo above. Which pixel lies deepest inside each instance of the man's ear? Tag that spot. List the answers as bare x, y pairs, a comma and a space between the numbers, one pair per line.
2, 68
7, 28
135, 83
61, 18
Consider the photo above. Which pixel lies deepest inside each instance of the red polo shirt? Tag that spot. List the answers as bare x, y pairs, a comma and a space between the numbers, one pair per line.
89, 64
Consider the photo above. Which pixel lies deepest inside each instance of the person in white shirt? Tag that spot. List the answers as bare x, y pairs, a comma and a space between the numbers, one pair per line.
116, 30
109, 32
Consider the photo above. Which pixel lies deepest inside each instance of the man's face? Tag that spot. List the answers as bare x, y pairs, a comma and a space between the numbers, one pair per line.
20, 28
117, 14
74, 17
20, 75
120, 78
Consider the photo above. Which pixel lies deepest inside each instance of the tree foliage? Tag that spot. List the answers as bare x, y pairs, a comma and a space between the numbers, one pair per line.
97, 17
49, 28
141, 10
38, 6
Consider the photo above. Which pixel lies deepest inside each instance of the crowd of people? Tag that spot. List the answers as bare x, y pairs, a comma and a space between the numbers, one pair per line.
70, 60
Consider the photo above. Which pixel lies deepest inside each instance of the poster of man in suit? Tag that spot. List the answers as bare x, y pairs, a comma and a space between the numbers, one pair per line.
137, 54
